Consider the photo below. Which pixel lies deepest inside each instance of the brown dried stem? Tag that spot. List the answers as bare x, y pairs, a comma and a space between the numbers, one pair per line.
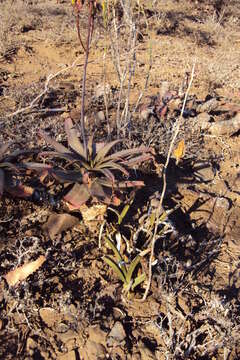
175, 134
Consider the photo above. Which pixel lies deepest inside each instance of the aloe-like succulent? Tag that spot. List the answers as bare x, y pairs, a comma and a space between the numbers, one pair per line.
93, 169
7, 167
124, 273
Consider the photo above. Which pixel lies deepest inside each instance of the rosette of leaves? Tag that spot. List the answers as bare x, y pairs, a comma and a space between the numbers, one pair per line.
93, 168
9, 168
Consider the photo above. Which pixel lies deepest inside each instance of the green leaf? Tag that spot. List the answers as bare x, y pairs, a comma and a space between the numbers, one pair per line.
117, 254
138, 280
123, 214
73, 140
115, 268
132, 267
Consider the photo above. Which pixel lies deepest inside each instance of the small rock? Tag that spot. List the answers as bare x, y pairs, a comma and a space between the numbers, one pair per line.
219, 209
226, 127
49, 316
174, 104
136, 356
97, 335
102, 90
204, 171
146, 354
118, 353
208, 106
100, 116
30, 346
68, 356
93, 350
145, 113
202, 120
117, 335
58, 223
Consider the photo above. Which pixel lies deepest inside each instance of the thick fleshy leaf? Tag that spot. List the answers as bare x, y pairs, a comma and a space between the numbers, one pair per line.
1, 181
117, 254
56, 145
69, 176
115, 267
8, 165
90, 147
54, 154
104, 150
108, 174
78, 195
132, 267
138, 280
120, 155
73, 140
113, 166
98, 191
137, 160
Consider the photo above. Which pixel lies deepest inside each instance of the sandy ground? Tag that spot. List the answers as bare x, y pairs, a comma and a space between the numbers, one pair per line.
73, 307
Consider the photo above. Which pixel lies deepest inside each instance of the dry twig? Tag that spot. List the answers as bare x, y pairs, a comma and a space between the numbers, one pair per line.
175, 134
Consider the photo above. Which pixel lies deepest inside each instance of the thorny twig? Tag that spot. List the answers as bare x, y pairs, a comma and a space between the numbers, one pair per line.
175, 134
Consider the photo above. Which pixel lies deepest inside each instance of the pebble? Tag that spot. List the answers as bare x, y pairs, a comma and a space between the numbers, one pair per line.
202, 120
100, 116
204, 171
97, 335
117, 335
68, 356
208, 106
226, 127
93, 350
49, 316
100, 90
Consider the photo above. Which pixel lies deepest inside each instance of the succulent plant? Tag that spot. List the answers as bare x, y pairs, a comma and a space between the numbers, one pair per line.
7, 167
93, 169
126, 274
